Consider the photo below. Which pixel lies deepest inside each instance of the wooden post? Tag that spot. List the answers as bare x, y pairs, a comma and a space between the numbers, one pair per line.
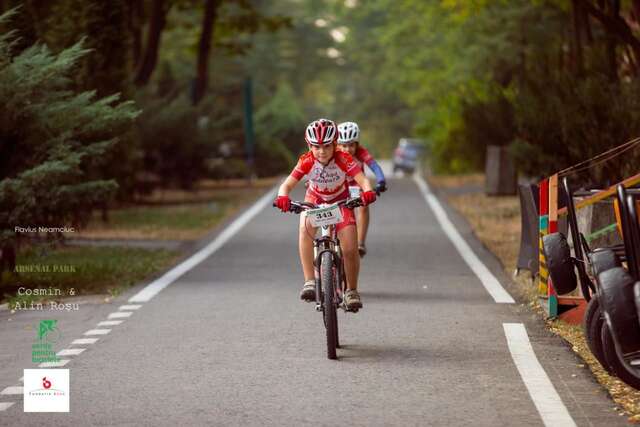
543, 227
552, 296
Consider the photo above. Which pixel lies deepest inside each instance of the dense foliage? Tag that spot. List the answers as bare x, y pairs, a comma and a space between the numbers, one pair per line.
54, 141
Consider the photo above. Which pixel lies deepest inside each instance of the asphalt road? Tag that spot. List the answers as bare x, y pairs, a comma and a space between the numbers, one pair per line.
229, 343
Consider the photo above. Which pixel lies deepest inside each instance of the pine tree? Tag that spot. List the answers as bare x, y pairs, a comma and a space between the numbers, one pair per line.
52, 139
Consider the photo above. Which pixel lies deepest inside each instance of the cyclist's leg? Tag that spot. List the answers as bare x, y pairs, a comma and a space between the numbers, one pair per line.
349, 244
363, 224
305, 245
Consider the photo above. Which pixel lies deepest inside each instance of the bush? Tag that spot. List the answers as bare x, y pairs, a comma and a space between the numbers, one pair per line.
55, 141
175, 146
273, 159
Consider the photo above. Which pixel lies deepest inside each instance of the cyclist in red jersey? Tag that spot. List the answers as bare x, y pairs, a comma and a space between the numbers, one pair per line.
327, 170
348, 141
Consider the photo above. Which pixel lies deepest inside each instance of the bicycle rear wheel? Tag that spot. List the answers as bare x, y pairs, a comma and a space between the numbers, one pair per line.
327, 280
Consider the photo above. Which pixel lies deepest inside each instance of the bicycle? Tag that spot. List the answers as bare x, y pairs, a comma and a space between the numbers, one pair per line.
330, 280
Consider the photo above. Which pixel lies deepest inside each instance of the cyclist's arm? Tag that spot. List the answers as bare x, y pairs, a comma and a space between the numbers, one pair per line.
287, 186
363, 182
377, 170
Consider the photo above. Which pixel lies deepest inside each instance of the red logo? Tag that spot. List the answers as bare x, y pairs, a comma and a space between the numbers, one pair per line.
46, 383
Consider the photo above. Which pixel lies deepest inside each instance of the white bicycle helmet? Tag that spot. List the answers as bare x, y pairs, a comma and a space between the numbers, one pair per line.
348, 132
321, 132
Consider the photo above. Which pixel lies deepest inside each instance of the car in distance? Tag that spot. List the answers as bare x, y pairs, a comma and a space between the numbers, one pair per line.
406, 154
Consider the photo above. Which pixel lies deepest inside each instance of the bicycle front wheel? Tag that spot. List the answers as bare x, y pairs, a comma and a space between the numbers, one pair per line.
328, 283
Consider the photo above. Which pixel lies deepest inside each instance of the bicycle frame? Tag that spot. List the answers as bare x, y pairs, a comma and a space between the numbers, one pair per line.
328, 242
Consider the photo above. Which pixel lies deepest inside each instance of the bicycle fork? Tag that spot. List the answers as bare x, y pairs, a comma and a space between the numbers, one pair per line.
325, 244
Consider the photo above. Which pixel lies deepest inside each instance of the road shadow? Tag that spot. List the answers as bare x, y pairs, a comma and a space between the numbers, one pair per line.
427, 295
382, 354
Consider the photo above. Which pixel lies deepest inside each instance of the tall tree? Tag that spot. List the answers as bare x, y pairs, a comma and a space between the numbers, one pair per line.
157, 22
204, 47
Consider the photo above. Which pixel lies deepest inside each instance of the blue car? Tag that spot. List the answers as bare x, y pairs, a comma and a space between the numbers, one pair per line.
407, 154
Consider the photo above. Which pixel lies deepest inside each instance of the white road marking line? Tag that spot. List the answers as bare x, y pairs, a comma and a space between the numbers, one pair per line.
13, 390
489, 281
6, 405
542, 392
110, 322
120, 315
153, 288
129, 307
97, 332
57, 364
70, 352
85, 341
21, 379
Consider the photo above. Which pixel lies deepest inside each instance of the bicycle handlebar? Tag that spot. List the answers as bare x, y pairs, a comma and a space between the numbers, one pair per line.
298, 207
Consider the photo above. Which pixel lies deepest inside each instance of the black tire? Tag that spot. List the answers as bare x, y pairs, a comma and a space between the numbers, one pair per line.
620, 369
559, 263
636, 294
593, 321
617, 303
603, 260
327, 279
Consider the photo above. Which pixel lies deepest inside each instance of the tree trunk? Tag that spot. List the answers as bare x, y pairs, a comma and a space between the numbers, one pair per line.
577, 57
24, 23
635, 10
8, 258
633, 65
615, 26
204, 47
136, 18
614, 11
148, 62
586, 24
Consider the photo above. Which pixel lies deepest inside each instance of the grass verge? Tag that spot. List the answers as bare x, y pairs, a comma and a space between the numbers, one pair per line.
174, 214
81, 271
162, 215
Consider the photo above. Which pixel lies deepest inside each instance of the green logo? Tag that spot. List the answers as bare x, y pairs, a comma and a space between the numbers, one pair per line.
42, 350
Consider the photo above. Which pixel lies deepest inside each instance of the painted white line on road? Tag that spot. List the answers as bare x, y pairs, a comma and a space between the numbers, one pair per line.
83, 341
21, 379
97, 332
488, 280
120, 315
542, 392
70, 352
129, 307
153, 288
12, 390
60, 363
110, 322
6, 405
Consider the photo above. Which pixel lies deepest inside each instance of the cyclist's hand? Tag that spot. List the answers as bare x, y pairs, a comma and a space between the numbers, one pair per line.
283, 203
381, 187
368, 197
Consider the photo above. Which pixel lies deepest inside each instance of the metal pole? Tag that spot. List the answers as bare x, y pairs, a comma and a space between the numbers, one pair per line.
249, 139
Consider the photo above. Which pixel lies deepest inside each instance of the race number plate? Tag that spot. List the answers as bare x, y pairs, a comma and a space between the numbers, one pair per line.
354, 191
325, 216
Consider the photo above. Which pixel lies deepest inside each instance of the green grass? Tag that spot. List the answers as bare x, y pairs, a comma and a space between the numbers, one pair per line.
97, 270
177, 222
186, 221
187, 217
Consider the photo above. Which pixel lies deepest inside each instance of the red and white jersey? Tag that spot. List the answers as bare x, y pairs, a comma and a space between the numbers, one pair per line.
362, 156
327, 181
